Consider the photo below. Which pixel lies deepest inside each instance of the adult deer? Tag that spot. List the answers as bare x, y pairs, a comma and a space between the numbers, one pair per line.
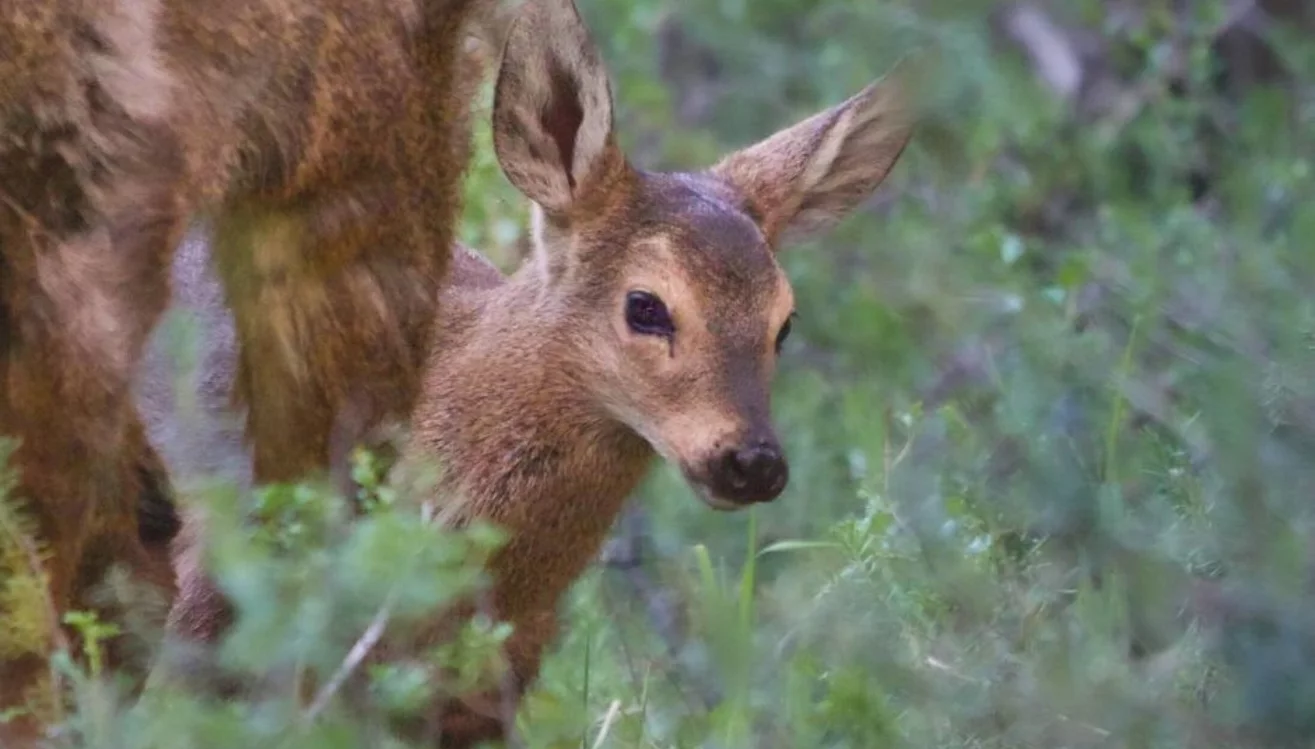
326, 139
647, 322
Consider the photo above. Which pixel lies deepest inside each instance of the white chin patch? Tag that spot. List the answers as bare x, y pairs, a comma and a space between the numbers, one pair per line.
715, 502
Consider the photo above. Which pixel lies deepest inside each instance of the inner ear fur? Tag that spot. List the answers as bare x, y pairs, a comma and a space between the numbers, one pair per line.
552, 110
803, 179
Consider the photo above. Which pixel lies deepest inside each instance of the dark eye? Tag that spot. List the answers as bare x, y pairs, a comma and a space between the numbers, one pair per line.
784, 333
647, 314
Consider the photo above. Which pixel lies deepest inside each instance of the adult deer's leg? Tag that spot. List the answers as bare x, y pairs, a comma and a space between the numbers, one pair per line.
331, 272
333, 276
88, 218
84, 253
332, 308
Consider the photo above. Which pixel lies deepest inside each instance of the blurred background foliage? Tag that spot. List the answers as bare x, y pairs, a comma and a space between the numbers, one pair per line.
1049, 407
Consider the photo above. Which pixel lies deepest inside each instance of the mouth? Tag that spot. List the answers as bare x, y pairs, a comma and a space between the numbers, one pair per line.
712, 500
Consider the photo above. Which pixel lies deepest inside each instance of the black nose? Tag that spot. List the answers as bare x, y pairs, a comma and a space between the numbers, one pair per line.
753, 473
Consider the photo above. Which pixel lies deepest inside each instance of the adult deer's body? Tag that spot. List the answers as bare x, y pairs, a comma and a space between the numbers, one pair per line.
647, 323
326, 139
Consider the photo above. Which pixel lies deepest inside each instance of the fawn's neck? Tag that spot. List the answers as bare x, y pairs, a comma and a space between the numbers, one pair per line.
521, 443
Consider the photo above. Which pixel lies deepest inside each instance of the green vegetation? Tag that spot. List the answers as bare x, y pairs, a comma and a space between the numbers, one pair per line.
1049, 405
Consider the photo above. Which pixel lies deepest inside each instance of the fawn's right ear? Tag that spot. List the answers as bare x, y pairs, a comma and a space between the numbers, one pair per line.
552, 108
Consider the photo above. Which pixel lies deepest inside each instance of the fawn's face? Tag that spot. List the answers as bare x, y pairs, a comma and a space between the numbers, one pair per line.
676, 303
689, 312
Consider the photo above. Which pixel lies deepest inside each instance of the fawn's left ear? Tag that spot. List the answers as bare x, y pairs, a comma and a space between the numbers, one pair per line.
808, 176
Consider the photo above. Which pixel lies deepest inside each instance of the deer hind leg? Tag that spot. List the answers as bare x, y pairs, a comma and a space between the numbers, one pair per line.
332, 313
83, 280
331, 324
77, 309
88, 218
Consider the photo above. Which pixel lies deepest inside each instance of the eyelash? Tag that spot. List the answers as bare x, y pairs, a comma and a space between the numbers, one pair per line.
784, 332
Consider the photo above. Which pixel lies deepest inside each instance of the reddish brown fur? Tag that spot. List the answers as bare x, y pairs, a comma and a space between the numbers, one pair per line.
544, 408
325, 138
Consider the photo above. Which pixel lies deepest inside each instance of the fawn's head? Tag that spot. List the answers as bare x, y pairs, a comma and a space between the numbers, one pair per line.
668, 283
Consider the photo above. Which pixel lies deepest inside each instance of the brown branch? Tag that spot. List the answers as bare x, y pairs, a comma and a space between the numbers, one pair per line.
367, 641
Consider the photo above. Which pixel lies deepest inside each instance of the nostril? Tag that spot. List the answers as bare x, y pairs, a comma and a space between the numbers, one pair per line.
737, 470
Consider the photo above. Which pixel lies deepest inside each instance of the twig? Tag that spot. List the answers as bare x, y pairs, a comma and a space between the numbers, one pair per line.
355, 657
608, 719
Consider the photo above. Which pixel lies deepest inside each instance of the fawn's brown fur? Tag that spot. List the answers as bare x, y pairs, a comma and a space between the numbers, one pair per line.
325, 139
547, 394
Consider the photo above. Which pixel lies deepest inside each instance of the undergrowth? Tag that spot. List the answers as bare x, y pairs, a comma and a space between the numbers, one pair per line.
1049, 407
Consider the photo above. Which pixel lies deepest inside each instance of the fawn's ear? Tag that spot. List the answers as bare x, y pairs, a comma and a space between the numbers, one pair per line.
810, 175
552, 108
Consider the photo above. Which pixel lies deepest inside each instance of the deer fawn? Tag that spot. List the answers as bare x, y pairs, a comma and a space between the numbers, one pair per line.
647, 322
326, 139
